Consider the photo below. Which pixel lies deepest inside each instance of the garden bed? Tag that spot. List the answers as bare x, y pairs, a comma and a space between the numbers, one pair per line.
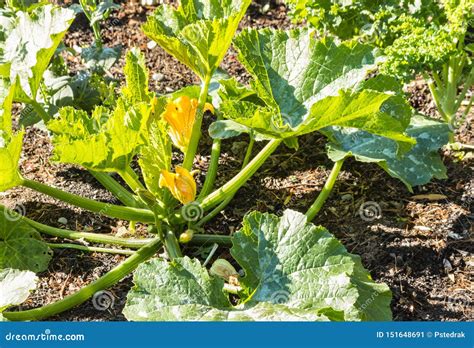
421, 248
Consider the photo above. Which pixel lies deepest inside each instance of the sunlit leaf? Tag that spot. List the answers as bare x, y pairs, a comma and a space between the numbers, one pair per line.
15, 286
300, 85
293, 271
31, 43
198, 33
415, 167
21, 246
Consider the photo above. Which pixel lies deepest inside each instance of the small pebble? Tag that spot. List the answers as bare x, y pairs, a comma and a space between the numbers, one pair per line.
447, 266
151, 45
62, 220
346, 197
158, 77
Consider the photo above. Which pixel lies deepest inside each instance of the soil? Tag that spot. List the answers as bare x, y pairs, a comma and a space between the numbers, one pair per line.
421, 248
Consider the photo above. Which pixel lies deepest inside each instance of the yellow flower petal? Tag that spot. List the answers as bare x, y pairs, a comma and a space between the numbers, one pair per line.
180, 115
209, 107
181, 185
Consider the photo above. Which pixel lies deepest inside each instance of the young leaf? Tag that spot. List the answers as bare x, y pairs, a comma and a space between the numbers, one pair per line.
136, 76
106, 141
100, 59
102, 11
15, 287
302, 85
10, 144
155, 157
416, 167
293, 271
21, 246
6, 100
7, 23
10, 151
30, 45
198, 33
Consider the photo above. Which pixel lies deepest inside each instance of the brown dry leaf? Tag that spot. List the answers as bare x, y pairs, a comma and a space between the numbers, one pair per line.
430, 197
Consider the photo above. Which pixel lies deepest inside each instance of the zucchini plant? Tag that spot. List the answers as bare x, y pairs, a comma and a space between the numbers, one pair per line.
292, 269
44, 81
430, 38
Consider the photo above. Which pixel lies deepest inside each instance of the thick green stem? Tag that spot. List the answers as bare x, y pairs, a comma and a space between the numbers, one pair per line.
198, 239
248, 154
436, 97
326, 191
460, 147
466, 111
95, 26
451, 89
196, 133
212, 170
97, 36
90, 249
104, 282
437, 79
87, 236
206, 239
115, 211
40, 111
119, 192
213, 213
225, 202
172, 246
131, 178
231, 187
467, 86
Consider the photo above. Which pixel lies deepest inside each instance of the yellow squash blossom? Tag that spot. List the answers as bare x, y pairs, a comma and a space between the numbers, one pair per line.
181, 185
180, 115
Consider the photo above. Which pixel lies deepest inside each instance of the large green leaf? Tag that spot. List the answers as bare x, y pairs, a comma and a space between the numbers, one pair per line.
136, 76
183, 290
10, 151
15, 287
293, 271
6, 101
198, 33
105, 141
155, 156
31, 43
416, 167
21, 246
7, 23
102, 11
10, 143
101, 59
289, 256
301, 85
108, 140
